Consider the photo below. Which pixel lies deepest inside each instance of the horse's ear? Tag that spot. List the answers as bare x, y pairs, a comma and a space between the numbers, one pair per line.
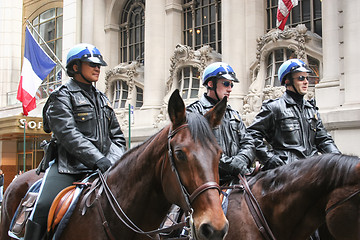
176, 109
215, 115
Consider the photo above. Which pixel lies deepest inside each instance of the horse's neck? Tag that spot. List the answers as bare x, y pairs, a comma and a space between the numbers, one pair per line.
135, 181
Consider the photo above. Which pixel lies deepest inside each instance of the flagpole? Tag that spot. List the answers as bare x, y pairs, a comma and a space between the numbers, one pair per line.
56, 58
25, 126
129, 125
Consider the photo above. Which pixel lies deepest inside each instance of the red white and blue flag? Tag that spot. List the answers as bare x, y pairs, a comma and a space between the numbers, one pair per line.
36, 66
283, 12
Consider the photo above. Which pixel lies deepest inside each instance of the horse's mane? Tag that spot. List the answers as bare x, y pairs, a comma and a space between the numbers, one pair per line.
328, 170
199, 129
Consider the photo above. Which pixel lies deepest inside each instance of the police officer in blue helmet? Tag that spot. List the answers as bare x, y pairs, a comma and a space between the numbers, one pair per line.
290, 124
232, 135
84, 129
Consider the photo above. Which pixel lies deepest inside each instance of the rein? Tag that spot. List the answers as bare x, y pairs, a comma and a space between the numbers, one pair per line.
101, 181
332, 207
256, 211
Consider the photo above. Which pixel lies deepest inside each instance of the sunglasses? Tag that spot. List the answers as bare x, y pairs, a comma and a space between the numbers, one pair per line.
228, 83
302, 78
94, 65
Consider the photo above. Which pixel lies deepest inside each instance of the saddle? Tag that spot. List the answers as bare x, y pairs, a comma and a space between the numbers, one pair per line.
59, 207
59, 214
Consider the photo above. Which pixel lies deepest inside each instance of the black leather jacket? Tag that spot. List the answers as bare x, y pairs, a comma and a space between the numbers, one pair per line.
292, 132
85, 131
232, 136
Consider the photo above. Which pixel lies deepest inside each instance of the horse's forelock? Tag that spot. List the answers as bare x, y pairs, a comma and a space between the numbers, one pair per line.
199, 128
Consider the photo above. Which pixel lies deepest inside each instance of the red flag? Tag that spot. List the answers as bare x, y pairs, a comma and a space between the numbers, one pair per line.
36, 66
283, 12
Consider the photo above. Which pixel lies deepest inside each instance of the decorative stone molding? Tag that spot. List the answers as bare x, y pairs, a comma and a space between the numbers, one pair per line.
126, 72
297, 39
186, 56
133, 75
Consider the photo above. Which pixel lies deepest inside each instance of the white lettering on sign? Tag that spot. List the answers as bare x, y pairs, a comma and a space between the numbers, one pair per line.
30, 124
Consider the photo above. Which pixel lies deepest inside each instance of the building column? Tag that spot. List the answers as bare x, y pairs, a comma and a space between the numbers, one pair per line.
154, 62
71, 28
173, 32
234, 46
351, 55
330, 82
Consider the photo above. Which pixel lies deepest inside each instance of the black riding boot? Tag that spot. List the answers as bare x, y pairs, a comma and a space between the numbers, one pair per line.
33, 231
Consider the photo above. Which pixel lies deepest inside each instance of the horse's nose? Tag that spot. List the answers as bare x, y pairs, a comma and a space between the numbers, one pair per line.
207, 231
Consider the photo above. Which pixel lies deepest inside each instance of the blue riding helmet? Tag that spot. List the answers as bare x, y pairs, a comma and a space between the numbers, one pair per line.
218, 70
86, 53
291, 66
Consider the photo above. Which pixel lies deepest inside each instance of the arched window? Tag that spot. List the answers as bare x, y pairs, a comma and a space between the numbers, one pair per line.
277, 57
202, 23
274, 60
119, 94
189, 82
49, 25
307, 12
132, 29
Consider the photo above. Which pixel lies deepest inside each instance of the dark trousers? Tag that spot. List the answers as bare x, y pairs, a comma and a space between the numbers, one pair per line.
52, 185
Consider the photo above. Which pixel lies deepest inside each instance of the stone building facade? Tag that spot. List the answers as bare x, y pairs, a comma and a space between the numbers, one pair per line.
155, 46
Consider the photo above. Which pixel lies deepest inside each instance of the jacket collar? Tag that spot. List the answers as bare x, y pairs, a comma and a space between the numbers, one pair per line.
207, 104
74, 87
289, 100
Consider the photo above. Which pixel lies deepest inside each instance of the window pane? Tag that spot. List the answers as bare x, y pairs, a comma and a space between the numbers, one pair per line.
279, 55
49, 14
59, 27
306, 10
212, 13
317, 9
47, 30
197, 17
205, 16
205, 35
318, 27
186, 83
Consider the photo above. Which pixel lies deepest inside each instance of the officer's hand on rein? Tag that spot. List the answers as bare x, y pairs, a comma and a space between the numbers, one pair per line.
103, 164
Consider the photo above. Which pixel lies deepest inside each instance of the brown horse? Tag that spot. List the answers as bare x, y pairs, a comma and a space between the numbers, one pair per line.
298, 198
147, 179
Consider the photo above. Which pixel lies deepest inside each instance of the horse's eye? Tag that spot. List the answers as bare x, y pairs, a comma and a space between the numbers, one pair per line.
180, 155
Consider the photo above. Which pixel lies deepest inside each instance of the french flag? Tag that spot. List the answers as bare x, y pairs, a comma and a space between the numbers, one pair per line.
36, 66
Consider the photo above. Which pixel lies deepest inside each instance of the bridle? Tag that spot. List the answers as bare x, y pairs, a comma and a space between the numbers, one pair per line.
189, 198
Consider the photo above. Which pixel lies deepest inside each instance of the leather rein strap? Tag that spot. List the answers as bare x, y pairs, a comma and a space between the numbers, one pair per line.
256, 211
341, 201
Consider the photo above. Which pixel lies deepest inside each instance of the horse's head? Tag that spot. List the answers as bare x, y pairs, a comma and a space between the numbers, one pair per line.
190, 177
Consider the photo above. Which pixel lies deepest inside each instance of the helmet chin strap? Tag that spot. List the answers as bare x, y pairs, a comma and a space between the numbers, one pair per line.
85, 78
81, 74
214, 81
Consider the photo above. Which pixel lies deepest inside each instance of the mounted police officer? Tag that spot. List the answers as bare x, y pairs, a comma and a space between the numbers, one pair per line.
290, 124
232, 135
85, 130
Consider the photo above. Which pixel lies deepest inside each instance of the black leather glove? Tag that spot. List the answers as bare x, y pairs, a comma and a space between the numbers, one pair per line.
103, 164
243, 169
273, 162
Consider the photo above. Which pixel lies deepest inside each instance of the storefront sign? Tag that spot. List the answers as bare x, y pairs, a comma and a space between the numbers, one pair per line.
31, 124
